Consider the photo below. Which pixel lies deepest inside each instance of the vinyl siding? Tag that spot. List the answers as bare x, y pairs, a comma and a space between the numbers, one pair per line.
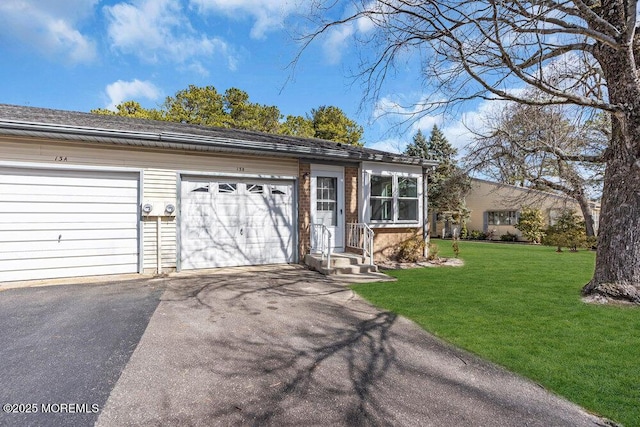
160, 176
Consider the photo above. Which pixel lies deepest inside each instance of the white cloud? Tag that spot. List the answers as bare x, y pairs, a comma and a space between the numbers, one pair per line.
268, 15
408, 120
391, 145
49, 27
158, 30
121, 91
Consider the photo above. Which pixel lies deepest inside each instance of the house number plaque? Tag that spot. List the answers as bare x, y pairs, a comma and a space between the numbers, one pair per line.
60, 159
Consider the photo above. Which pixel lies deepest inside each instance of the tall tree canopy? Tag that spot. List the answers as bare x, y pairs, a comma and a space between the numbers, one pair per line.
580, 52
331, 123
448, 184
207, 107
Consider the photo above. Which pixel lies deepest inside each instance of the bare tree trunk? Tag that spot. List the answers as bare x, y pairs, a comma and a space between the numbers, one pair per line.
617, 272
587, 214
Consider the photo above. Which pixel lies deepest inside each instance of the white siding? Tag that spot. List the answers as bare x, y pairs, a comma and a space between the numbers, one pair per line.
160, 175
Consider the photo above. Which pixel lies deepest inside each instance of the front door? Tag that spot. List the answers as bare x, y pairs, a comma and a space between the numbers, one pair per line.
327, 204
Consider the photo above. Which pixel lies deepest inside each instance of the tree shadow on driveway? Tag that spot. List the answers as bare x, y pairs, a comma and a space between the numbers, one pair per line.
285, 346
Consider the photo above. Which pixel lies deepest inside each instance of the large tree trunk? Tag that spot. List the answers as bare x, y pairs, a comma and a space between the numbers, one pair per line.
617, 272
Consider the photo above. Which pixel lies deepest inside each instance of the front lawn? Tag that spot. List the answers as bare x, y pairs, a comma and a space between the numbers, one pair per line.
520, 307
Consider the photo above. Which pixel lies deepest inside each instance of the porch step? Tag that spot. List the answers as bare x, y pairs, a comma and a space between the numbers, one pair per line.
341, 263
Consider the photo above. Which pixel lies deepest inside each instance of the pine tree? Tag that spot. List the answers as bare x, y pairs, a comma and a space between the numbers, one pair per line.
419, 147
448, 184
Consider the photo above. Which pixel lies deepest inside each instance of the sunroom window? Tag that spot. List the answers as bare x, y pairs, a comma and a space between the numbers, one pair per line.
381, 198
394, 199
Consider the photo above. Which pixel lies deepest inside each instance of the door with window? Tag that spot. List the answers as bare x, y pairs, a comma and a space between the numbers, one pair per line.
327, 206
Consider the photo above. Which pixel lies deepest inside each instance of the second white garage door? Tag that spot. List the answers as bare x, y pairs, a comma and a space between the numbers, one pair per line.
61, 223
227, 223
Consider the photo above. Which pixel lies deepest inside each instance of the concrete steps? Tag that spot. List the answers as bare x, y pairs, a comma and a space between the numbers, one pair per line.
341, 263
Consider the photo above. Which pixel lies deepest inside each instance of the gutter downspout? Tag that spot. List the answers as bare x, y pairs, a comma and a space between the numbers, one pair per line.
425, 212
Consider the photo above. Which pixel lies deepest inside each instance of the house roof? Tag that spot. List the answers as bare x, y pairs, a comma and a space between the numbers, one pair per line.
116, 130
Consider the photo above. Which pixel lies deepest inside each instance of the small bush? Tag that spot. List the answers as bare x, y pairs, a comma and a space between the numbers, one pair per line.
433, 252
509, 237
411, 250
476, 235
531, 225
456, 247
568, 232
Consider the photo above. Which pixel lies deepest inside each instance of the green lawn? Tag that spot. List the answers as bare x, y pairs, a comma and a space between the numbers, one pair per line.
520, 307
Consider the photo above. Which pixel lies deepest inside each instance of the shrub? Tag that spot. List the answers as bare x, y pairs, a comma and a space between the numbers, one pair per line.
476, 235
433, 252
509, 237
531, 225
411, 250
456, 247
568, 232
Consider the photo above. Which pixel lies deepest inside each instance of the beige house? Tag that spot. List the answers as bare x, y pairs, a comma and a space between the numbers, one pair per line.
84, 194
495, 209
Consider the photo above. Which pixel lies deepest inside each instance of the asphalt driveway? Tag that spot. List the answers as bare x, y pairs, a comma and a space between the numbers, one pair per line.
285, 346
63, 348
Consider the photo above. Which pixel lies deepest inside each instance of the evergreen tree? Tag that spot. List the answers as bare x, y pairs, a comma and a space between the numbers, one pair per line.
448, 184
419, 147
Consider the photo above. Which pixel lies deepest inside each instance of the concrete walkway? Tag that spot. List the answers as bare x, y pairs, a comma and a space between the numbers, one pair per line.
286, 346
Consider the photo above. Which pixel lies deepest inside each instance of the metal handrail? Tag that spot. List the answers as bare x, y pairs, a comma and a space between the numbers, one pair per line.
322, 235
360, 236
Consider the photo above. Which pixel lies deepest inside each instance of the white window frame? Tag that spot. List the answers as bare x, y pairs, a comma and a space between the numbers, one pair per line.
396, 173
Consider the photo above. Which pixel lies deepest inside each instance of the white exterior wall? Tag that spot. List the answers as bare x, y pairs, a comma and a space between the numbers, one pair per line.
161, 170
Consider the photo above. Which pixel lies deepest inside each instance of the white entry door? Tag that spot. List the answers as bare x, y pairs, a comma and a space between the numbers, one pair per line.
226, 223
327, 204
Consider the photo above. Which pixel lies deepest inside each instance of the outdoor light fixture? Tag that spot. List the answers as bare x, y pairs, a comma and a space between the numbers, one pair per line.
170, 208
147, 208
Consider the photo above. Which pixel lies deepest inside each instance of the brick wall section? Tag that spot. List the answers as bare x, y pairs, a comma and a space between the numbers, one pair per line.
351, 193
304, 210
351, 182
386, 240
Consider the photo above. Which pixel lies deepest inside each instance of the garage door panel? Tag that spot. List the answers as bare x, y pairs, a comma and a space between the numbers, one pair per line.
22, 190
54, 252
63, 218
66, 235
70, 262
37, 274
69, 198
100, 245
68, 208
71, 179
59, 223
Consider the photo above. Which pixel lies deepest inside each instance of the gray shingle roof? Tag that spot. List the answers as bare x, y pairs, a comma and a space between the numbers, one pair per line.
101, 129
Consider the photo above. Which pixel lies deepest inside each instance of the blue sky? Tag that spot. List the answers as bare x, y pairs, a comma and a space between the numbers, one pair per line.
85, 54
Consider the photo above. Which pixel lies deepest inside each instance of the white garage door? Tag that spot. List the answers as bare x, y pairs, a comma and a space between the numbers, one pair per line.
227, 223
56, 223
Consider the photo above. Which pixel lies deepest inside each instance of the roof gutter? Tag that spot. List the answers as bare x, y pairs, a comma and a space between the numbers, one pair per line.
190, 142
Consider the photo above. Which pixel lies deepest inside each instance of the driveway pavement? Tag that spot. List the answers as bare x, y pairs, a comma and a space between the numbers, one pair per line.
62, 348
285, 346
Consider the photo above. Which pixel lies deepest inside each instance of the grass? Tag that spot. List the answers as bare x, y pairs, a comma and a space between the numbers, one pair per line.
519, 306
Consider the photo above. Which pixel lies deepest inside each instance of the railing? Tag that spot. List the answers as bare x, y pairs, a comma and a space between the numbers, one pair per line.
321, 242
360, 236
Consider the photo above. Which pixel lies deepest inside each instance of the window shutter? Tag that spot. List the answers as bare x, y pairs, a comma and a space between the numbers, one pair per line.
485, 219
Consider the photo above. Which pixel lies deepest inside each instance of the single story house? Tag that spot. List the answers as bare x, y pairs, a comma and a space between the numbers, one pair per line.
495, 208
84, 194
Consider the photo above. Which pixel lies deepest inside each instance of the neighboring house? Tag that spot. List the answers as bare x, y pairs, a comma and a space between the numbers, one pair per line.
495, 208
84, 194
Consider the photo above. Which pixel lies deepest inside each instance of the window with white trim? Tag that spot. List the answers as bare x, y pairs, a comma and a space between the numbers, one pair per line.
502, 218
394, 199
